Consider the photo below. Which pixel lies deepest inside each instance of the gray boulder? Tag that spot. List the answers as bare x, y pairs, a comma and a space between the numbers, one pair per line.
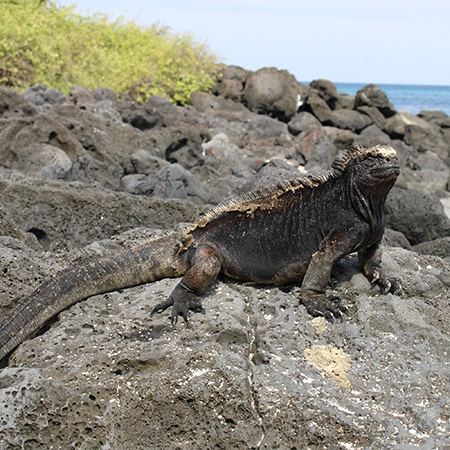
12, 103
219, 106
303, 121
425, 172
139, 117
106, 109
174, 181
221, 154
414, 130
10, 230
317, 106
320, 146
439, 247
144, 162
102, 93
272, 172
40, 129
427, 138
171, 181
264, 127
80, 96
372, 95
226, 168
393, 238
107, 144
327, 90
347, 119
45, 160
446, 204
374, 113
438, 118
43, 97
372, 136
80, 171
420, 217
231, 83
173, 115
345, 101
185, 147
136, 183
420, 134
273, 92
395, 125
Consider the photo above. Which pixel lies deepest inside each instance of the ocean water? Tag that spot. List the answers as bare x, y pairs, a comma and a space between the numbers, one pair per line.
410, 98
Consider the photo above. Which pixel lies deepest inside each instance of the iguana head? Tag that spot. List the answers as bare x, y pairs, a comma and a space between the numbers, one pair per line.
373, 166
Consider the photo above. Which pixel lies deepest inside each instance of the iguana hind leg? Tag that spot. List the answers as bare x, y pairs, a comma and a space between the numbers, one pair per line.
205, 267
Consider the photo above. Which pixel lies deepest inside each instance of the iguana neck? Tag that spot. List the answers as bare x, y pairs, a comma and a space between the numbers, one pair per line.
369, 201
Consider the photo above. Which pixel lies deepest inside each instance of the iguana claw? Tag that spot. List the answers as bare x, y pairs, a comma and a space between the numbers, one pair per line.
387, 284
331, 308
161, 307
182, 301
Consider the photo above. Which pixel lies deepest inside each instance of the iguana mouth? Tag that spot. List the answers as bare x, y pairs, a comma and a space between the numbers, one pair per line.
387, 171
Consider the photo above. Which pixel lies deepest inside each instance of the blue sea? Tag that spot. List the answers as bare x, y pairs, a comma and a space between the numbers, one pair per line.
410, 98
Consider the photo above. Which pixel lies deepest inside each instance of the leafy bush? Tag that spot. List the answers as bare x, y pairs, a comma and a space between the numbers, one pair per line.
43, 43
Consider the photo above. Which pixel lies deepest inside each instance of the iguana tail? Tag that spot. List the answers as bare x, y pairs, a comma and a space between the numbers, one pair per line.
140, 264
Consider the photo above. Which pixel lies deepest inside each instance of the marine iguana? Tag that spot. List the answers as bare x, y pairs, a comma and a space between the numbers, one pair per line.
290, 232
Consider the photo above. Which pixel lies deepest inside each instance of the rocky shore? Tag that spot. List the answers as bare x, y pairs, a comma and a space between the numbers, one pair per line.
86, 174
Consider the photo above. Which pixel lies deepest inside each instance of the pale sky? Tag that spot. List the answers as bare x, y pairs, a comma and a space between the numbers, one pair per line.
367, 41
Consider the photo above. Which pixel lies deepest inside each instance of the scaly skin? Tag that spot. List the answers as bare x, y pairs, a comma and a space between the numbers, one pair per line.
292, 232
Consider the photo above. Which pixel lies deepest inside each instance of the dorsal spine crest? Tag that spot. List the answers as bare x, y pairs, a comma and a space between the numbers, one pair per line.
338, 166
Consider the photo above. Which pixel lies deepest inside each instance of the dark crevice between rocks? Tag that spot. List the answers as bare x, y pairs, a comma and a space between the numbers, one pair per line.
174, 147
252, 351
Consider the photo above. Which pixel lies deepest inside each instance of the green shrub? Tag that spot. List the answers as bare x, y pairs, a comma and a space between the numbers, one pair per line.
43, 43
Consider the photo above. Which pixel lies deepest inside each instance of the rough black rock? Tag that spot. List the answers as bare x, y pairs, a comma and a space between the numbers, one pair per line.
43, 97
420, 217
231, 83
372, 95
302, 121
273, 92
327, 90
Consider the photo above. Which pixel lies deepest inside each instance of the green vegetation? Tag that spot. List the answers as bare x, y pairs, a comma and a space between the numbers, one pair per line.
43, 43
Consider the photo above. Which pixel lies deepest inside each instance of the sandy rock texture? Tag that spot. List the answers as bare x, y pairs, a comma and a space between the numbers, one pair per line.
89, 174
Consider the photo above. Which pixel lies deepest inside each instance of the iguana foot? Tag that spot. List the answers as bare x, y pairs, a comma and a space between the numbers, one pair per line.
319, 305
182, 301
387, 284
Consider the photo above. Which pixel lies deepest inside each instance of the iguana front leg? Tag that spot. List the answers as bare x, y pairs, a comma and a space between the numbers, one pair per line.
370, 260
205, 267
318, 275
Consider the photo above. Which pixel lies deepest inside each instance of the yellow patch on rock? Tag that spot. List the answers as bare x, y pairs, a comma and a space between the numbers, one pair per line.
320, 324
333, 361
